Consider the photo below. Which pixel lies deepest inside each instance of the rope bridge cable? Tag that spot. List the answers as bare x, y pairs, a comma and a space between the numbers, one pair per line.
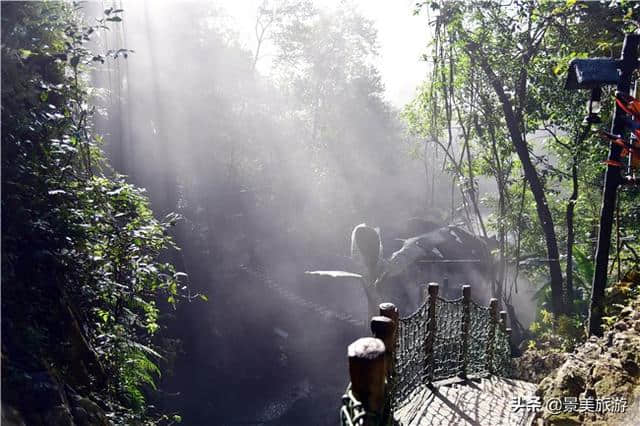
260, 274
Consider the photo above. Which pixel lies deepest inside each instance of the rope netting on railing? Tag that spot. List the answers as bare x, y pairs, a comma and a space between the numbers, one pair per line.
461, 339
411, 351
447, 355
441, 340
352, 412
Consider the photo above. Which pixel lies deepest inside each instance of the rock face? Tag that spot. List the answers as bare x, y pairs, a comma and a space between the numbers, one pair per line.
535, 365
45, 400
606, 368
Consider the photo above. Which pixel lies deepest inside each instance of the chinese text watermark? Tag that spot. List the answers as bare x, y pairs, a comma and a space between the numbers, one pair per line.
568, 404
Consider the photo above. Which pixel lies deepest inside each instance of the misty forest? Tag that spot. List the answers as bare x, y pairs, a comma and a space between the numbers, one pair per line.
204, 204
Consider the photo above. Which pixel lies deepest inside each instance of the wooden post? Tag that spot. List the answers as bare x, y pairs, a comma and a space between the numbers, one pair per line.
383, 329
390, 311
503, 321
432, 328
503, 326
493, 314
366, 370
424, 294
445, 286
466, 321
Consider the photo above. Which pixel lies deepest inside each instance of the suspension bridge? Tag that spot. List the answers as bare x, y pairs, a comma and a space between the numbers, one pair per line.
448, 363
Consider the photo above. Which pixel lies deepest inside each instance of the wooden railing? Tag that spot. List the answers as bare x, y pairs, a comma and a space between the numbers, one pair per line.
443, 341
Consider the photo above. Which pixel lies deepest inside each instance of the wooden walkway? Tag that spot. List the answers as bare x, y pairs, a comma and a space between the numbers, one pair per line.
486, 402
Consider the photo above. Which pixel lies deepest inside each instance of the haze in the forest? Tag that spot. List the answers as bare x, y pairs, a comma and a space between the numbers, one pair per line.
205, 201
268, 128
273, 129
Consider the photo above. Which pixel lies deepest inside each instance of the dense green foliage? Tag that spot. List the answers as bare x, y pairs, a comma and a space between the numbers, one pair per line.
82, 280
498, 80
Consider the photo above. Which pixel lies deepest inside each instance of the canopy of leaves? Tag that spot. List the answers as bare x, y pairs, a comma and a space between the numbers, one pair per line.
528, 44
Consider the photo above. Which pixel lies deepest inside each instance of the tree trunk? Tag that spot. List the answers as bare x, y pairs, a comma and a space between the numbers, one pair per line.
570, 234
537, 188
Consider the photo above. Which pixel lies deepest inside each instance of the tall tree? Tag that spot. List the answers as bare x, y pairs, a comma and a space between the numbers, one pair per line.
503, 41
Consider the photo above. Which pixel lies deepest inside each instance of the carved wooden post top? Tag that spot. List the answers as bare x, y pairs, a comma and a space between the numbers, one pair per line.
365, 348
389, 310
383, 328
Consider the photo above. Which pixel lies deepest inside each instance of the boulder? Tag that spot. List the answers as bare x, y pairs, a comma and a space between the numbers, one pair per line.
602, 368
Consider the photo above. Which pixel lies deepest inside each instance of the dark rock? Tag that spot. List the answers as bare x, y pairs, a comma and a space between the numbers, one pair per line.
11, 416
626, 312
88, 413
573, 384
631, 366
59, 416
610, 338
621, 326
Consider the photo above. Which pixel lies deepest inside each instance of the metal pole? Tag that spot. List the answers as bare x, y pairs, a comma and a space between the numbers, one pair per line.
628, 63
